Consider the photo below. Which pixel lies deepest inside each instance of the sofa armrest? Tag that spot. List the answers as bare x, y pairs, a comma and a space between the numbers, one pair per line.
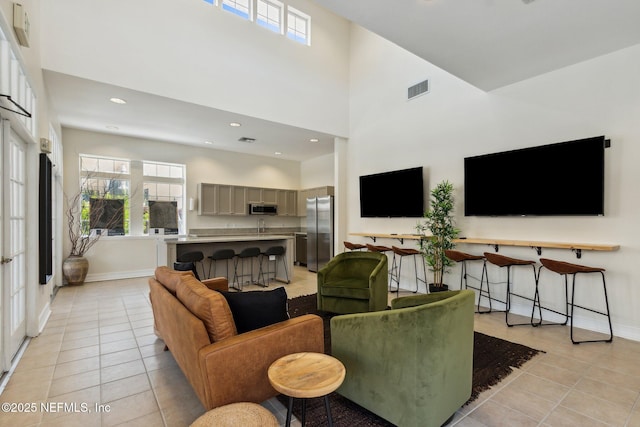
235, 369
217, 283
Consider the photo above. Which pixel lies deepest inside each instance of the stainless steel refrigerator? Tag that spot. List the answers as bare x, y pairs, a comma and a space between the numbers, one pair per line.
319, 232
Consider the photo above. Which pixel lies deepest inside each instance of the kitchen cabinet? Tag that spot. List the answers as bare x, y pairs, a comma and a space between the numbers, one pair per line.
287, 201
267, 196
221, 199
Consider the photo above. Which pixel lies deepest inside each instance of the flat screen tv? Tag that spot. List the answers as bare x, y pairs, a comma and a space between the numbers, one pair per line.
163, 215
107, 214
393, 194
566, 178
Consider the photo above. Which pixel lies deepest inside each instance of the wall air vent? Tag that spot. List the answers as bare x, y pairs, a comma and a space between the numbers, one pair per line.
246, 139
418, 89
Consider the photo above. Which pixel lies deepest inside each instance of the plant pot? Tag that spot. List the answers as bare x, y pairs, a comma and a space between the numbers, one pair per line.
75, 269
433, 288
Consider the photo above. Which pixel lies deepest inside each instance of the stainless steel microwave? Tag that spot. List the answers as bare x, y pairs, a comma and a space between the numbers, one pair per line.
262, 209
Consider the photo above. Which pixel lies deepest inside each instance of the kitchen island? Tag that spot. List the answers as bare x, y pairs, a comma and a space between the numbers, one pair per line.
169, 249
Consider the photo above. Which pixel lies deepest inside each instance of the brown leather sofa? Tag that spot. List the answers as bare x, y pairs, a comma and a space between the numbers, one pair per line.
221, 365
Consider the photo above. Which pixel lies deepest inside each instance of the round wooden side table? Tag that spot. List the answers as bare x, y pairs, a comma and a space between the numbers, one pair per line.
306, 375
242, 414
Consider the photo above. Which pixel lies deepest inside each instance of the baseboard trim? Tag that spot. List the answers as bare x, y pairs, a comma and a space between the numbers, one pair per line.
118, 275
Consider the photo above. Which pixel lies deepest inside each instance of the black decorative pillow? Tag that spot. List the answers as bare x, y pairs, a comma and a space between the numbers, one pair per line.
257, 309
186, 266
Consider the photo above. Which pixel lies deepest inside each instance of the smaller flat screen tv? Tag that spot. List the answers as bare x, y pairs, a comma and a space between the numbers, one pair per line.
393, 194
107, 214
163, 215
566, 178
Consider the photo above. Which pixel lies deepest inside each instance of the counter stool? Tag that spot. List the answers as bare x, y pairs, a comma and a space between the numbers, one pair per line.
246, 254
383, 249
354, 246
565, 269
194, 257
504, 261
462, 258
396, 267
277, 252
221, 255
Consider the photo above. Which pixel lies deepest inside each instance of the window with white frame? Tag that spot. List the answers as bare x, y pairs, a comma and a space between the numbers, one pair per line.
269, 14
242, 8
164, 187
137, 185
105, 183
298, 26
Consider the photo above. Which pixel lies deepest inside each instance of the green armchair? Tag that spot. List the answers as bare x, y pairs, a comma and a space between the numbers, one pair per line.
411, 365
353, 282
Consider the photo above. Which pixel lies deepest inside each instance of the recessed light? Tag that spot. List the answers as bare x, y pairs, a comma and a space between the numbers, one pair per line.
208, 142
278, 153
112, 127
314, 140
117, 100
235, 124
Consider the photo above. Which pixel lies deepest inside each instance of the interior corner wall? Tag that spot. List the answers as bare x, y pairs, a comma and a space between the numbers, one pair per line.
195, 52
455, 120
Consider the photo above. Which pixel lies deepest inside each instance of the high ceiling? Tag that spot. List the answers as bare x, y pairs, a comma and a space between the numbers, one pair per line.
493, 43
488, 43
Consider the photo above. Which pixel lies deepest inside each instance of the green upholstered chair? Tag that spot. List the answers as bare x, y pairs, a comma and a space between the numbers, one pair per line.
353, 282
411, 365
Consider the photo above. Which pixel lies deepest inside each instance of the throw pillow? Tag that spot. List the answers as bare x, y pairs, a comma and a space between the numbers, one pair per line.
257, 309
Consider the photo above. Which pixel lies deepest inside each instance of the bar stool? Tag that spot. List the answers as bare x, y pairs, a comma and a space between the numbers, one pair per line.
504, 261
221, 255
277, 252
462, 258
354, 246
565, 269
194, 257
383, 249
246, 254
396, 268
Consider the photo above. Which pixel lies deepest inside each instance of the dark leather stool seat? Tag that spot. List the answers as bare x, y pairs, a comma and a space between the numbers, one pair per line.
396, 267
462, 258
195, 257
221, 255
508, 263
565, 269
277, 253
354, 246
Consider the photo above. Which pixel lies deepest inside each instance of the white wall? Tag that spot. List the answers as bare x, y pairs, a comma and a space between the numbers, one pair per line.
116, 257
194, 52
455, 120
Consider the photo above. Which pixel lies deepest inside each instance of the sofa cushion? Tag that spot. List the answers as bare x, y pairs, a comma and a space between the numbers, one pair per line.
347, 288
256, 309
209, 306
170, 278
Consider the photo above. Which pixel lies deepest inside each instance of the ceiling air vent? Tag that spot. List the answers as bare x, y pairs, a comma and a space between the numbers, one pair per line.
418, 89
246, 139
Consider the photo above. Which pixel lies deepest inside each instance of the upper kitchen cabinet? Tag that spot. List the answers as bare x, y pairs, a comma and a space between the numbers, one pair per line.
287, 201
221, 199
262, 195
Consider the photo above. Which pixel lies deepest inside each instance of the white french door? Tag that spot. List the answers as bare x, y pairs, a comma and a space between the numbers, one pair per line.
13, 245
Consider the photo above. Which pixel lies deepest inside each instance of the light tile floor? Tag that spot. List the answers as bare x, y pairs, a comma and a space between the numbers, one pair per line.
98, 363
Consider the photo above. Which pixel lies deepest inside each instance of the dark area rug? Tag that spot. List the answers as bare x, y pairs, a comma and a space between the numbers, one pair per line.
493, 359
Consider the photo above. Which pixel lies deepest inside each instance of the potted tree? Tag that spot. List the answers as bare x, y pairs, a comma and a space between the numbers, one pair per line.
439, 223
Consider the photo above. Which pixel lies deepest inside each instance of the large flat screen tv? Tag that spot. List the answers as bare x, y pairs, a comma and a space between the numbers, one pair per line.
393, 194
566, 178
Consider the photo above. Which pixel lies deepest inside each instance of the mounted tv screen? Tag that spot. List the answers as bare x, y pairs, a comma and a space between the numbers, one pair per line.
392, 194
107, 214
566, 178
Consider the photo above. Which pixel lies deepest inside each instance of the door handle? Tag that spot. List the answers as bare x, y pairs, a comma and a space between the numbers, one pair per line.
5, 260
